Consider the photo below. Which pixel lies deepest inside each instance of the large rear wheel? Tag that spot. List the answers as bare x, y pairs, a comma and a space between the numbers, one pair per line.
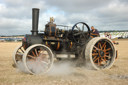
38, 59
100, 53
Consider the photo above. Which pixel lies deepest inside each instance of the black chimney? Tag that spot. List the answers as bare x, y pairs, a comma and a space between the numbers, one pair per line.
35, 19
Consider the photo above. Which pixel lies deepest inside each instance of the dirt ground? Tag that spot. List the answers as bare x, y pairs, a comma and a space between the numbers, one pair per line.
117, 75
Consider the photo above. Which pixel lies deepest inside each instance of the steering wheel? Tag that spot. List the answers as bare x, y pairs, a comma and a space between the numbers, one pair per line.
79, 33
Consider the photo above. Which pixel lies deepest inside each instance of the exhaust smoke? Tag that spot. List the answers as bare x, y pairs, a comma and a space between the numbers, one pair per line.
61, 68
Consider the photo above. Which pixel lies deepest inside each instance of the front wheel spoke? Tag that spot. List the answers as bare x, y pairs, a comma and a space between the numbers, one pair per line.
19, 54
36, 52
45, 62
33, 53
43, 55
32, 56
21, 50
41, 51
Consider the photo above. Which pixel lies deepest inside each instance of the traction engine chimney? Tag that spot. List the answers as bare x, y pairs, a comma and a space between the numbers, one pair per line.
35, 19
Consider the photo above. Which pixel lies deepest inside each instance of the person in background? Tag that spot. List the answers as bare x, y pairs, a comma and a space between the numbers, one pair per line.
108, 35
94, 32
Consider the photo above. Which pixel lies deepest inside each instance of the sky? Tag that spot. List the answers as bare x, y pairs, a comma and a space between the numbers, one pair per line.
16, 15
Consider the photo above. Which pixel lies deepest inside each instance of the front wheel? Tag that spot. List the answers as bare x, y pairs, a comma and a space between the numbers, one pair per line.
100, 53
18, 54
38, 59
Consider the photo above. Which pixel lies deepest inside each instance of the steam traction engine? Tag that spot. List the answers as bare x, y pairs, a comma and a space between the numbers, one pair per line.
43, 47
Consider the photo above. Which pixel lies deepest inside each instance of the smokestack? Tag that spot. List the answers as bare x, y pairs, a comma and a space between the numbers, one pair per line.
35, 19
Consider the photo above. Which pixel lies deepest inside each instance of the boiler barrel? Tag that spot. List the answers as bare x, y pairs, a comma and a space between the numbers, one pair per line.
35, 19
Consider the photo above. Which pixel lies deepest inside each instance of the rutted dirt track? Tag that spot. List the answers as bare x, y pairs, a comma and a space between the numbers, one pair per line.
117, 75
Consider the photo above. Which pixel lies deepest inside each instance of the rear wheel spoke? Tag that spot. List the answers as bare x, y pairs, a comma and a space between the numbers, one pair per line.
107, 53
100, 46
100, 60
96, 48
93, 54
105, 47
96, 59
45, 62
108, 49
108, 57
104, 44
104, 58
